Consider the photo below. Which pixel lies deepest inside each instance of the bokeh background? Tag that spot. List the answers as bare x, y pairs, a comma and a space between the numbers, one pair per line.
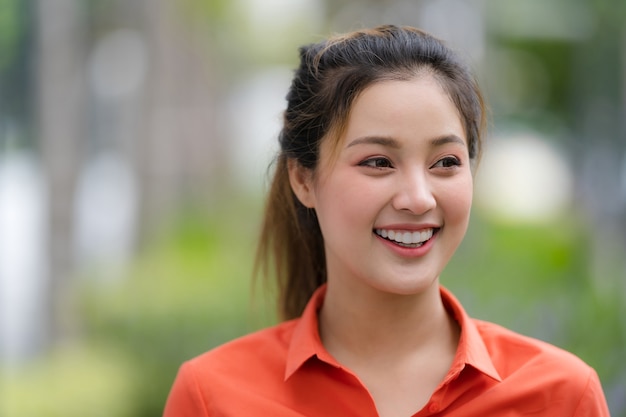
135, 138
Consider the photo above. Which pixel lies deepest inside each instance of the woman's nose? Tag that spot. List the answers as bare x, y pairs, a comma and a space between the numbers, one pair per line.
414, 194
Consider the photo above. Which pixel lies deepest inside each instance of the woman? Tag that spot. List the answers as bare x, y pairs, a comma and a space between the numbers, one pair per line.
370, 198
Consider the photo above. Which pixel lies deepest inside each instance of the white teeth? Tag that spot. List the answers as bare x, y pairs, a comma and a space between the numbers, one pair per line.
406, 237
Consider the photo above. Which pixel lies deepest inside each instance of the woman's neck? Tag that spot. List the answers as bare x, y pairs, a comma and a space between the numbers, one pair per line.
368, 324
400, 347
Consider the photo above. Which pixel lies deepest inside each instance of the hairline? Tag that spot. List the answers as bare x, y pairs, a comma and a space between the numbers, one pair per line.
339, 124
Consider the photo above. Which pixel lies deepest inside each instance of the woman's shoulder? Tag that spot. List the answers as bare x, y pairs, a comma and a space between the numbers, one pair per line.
231, 376
514, 353
267, 346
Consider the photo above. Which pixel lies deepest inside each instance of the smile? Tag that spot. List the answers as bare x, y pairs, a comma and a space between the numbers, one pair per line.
410, 239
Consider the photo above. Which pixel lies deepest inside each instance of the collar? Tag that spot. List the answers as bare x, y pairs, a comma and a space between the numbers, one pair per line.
306, 343
472, 350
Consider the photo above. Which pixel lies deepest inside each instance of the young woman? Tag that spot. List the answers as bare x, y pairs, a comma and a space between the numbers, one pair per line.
370, 198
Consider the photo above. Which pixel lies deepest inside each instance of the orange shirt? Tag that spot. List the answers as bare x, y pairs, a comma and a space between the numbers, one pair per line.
285, 371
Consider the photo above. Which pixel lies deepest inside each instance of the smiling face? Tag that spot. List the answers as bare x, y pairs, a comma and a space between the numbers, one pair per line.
393, 199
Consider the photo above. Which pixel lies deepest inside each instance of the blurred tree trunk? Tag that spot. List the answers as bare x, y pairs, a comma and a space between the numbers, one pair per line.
180, 152
60, 106
599, 70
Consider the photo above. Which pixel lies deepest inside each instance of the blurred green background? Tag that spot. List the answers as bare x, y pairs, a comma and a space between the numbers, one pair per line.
135, 138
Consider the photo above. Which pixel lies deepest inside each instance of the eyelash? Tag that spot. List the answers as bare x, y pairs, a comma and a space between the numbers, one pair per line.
374, 163
447, 162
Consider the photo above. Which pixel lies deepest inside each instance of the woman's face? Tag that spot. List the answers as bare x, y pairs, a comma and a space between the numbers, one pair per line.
393, 203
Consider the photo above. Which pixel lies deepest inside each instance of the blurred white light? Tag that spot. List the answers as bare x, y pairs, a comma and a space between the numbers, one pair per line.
276, 14
118, 64
259, 101
523, 179
22, 260
105, 207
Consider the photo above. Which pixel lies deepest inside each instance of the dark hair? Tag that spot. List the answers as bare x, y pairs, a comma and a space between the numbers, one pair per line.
332, 73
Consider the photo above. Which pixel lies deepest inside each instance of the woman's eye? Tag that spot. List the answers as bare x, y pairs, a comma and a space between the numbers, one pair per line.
377, 163
448, 162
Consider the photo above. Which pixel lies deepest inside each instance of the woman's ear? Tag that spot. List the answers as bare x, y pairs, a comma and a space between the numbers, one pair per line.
301, 180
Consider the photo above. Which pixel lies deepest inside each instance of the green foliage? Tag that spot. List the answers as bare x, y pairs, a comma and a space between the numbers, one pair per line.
190, 291
212, 10
186, 294
536, 280
9, 31
69, 381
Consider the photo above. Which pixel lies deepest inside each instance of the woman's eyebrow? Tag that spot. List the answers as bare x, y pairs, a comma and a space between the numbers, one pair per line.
392, 143
375, 140
444, 140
